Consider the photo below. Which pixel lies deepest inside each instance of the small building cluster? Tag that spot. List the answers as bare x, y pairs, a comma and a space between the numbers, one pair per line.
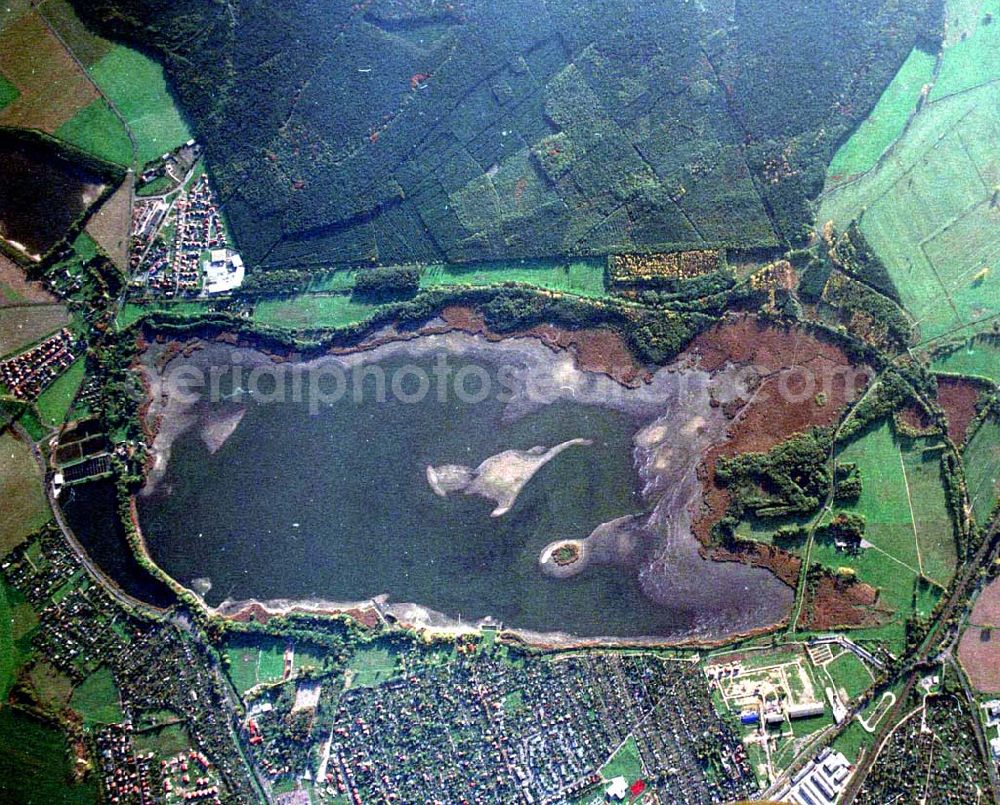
189, 777
821, 781
179, 245
26, 375
127, 778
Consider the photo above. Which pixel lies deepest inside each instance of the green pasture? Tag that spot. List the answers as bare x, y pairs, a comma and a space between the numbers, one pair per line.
97, 699
931, 517
307, 311
883, 502
131, 312
973, 61
852, 741
982, 469
35, 763
99, 131
849, 674
8, 92
25, 508
887, 120
341, 279
164, 742
54, 403
928, 211
892, 564
624, 763
977, 358
580, 277
136, 85
17, 619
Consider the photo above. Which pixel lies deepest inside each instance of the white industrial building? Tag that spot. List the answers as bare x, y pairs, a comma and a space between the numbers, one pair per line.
224, 271
821, 782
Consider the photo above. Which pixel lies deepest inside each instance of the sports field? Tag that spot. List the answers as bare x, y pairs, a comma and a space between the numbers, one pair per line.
929, 209
980, 357
313, 311
253, 662
887, 120
982, 469
136, 86
24, 508
581, 277
98, 130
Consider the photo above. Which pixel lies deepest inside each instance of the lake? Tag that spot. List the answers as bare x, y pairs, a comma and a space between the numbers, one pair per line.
294, 500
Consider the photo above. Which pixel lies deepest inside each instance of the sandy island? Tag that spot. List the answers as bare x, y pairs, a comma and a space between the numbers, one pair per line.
499, 478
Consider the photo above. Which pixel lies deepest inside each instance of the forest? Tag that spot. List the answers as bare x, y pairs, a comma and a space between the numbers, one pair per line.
397, 131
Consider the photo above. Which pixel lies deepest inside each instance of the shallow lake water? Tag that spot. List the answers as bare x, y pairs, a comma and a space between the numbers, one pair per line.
334, 504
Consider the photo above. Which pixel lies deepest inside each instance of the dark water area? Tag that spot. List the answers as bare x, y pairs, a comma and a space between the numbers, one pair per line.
91, 511
41, 192
335, 505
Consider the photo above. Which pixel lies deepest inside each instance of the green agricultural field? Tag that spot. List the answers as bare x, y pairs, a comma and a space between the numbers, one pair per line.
135, 84
931, 518
17, 619
581, 277
54, 403
893, 563
313, 311
624, 763
97, 699
887, 120
52, 686
20, 327
35, 763
849, 674
87, 46
99, 131
978, 358
8, 92
24, 508
971, 62
982, 469
928, 210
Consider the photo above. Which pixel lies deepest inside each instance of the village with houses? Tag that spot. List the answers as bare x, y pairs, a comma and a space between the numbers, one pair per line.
179, 246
